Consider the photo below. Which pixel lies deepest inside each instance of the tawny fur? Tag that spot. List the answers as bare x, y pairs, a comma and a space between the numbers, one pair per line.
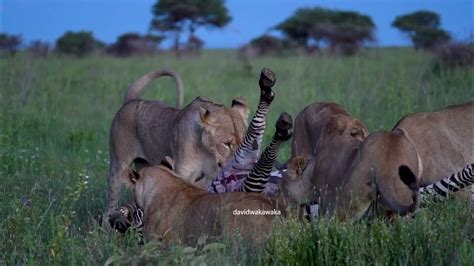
328, 138
175, 211
431, 144
444, 140
386, 167
311, 122
428, 146
199, 137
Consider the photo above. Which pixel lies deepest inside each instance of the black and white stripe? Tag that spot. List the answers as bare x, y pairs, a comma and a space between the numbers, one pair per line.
253, 137
137, 222
258, 177
443, 188
246, 155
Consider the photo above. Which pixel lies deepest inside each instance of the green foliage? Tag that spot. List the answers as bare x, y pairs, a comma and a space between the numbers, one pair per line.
342, 30
416, 20
55, 117
267, 44
454, 54
428, 38
9, 43
133, 43
298, 26
79, 44
177, 16
173, 14
402, 242
39, 48
423, 29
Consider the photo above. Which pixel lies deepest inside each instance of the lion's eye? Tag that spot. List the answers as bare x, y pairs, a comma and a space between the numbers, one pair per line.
228, 145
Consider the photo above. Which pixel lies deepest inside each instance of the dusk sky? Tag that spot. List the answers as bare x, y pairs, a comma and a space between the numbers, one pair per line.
48, 19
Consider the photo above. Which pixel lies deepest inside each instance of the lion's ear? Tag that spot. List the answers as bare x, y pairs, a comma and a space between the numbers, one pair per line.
240, 105
205, 121
204, 114
130, 177
358, 133
168, 163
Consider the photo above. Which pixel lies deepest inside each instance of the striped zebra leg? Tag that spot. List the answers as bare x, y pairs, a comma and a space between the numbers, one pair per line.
248, 151
251, 144
443, 188
253, 137
258, 177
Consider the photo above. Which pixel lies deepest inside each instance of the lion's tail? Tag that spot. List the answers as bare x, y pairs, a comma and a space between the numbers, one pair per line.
139, 84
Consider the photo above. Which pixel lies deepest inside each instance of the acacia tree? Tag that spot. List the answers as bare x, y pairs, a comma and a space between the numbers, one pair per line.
422, 27
177, 16
341, 30
299, 26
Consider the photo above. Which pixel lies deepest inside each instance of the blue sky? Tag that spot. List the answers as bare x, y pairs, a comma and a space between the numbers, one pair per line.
48, 19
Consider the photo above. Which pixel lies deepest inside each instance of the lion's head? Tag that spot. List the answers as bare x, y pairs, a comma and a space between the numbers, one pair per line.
223, 129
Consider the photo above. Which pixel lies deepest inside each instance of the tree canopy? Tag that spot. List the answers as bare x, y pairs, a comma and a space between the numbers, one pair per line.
420, 19
340, 29
79, 43
423, 28
175, 16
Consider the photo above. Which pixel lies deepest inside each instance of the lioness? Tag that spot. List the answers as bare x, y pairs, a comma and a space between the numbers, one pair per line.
176, 211
421, 149
199, 137
325, 142
387, 167
312, 122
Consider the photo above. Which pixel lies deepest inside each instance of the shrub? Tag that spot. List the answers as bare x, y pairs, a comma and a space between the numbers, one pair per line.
267, 44
39, 49
131, 43
194, 45
9, 43
80, 43
454, 54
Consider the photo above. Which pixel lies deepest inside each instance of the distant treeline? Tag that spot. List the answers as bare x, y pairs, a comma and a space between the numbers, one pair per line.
308, 30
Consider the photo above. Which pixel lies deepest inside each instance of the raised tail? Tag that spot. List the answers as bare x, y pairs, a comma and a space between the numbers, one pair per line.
139, 84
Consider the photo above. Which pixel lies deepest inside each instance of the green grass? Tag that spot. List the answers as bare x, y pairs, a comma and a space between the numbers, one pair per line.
54, 125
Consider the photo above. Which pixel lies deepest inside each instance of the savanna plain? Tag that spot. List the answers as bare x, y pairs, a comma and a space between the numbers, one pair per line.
54, 129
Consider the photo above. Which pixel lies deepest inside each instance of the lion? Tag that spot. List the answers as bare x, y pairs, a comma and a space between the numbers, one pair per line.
386, 169
325, 142
420, 150
442, 143
175, 211
311, 122
199, 137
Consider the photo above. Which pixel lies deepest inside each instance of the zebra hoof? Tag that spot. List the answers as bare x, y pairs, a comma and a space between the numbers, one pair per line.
267, 79
120, 219
284, 122
283, 126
